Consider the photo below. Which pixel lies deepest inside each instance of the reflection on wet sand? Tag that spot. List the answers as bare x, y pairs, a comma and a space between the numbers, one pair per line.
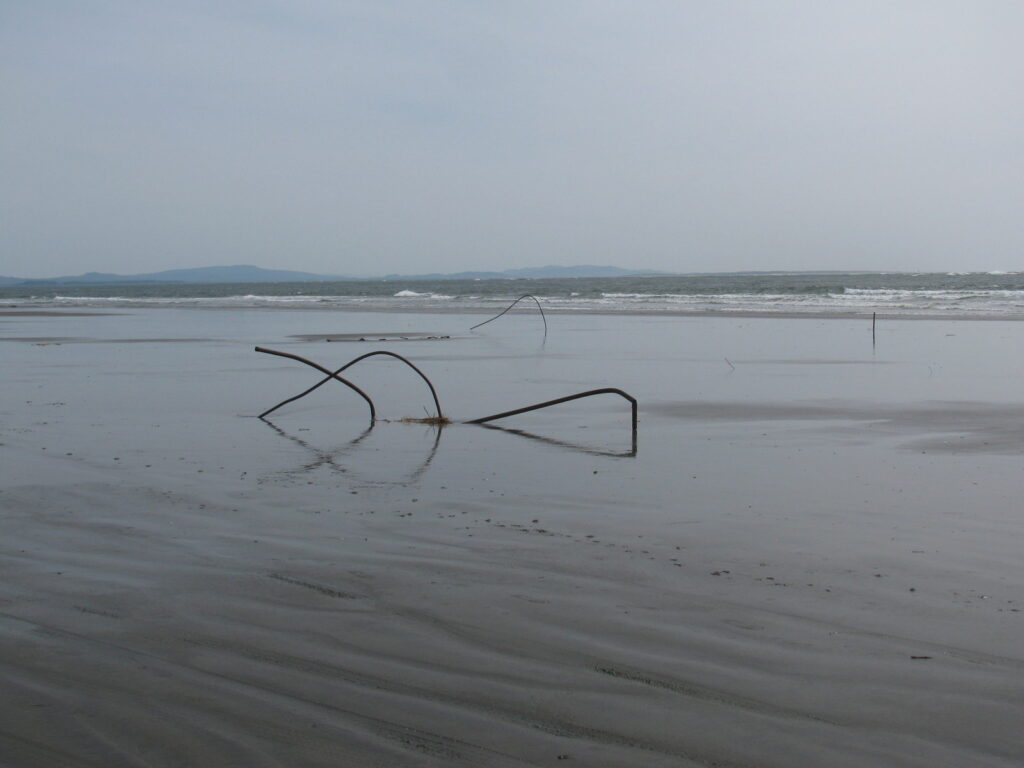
330, 457
565, 443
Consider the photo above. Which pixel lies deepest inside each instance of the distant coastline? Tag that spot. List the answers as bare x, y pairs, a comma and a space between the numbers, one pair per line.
244, 273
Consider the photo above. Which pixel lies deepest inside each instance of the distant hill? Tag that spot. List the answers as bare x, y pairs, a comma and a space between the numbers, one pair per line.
582, 270
236, 274
249, 274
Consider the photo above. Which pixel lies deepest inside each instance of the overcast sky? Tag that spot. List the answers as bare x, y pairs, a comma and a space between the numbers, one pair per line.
372, 137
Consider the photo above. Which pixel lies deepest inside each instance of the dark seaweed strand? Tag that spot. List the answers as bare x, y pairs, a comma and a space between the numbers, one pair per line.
524, 296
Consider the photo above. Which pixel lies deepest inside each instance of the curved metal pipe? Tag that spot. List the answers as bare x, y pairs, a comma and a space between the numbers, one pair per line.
524, 296
433, 392
349, 364
567, 398
330, 375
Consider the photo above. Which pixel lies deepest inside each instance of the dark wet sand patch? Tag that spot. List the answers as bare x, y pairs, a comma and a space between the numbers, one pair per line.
168, 340
953, 414
41, 340
53, 313
812, 361
44, 339
368, 336
943, 427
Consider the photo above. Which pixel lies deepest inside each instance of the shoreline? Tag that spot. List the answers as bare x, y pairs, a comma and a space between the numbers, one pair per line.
448, 310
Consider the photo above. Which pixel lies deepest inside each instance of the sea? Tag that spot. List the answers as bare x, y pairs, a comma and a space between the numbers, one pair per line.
996, 295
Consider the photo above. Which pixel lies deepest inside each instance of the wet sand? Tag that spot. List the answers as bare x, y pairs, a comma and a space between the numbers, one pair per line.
812, 559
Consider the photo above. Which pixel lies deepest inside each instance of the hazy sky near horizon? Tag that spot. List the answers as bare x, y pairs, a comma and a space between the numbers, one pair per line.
369, 137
